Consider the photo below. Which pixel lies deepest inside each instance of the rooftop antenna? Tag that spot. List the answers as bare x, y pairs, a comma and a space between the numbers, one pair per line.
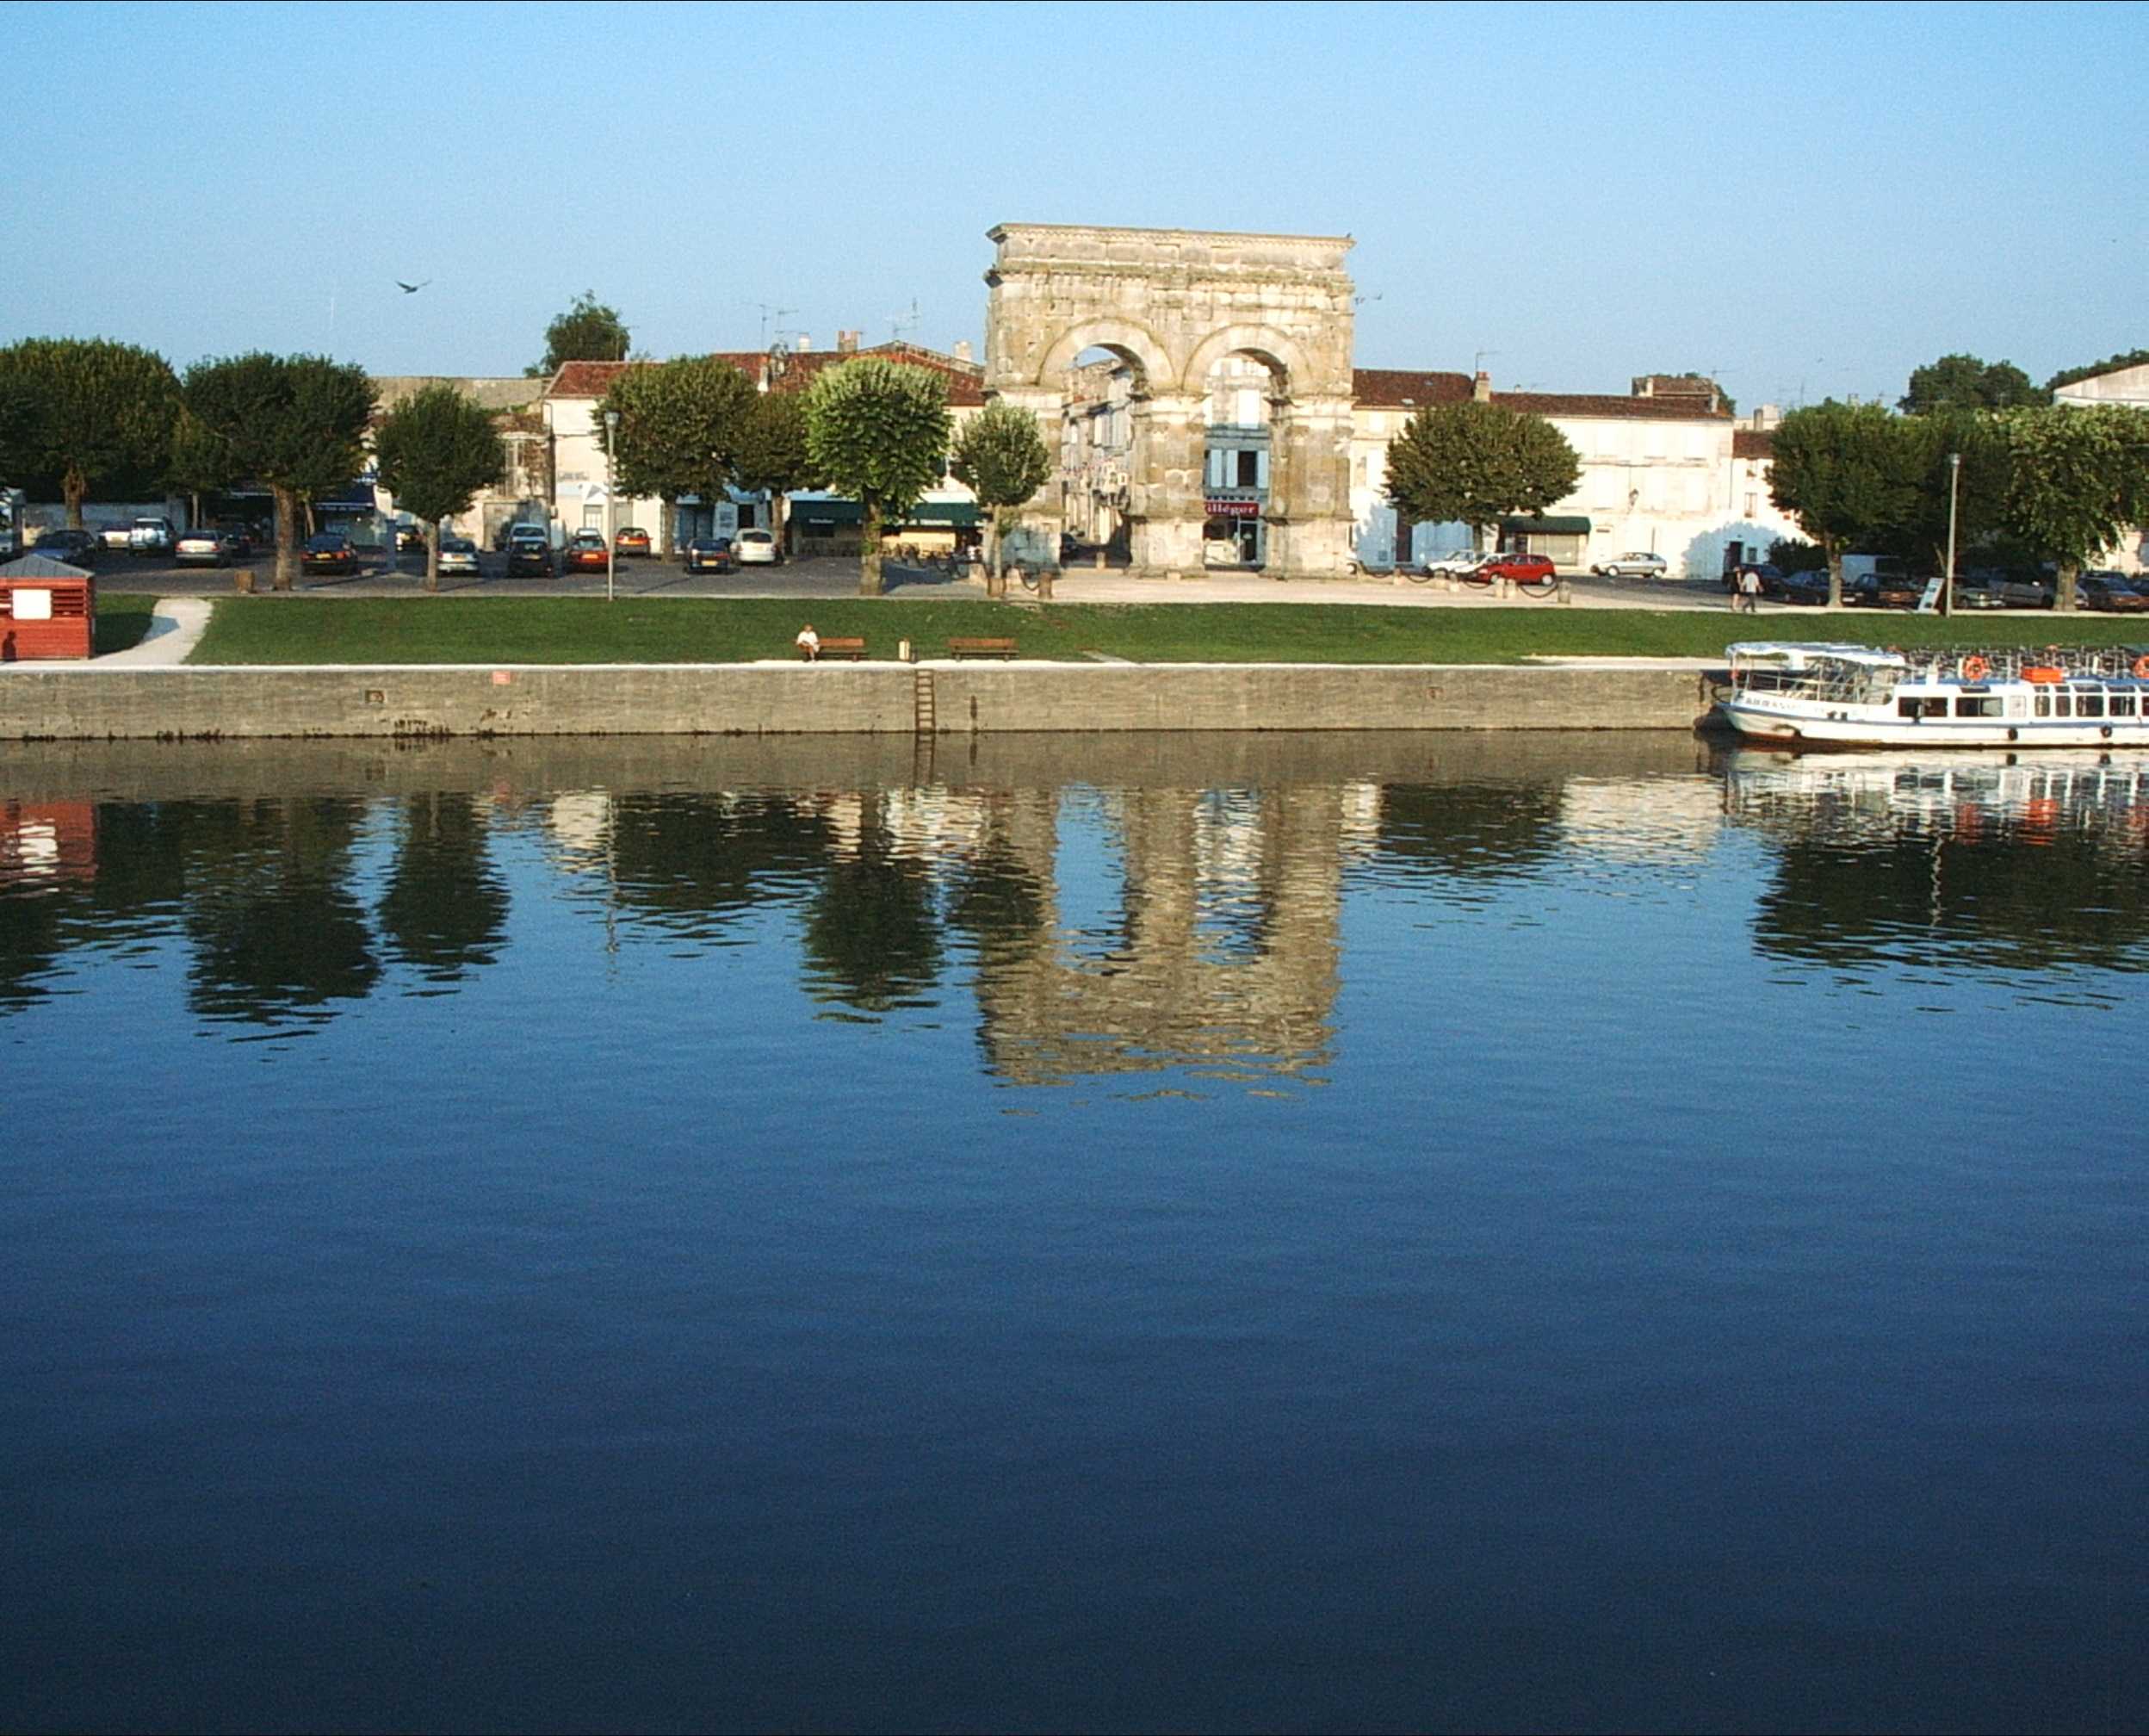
770, 311
1477, 361
899, 323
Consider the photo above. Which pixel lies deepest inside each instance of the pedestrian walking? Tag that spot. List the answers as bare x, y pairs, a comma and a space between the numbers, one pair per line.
1750, 590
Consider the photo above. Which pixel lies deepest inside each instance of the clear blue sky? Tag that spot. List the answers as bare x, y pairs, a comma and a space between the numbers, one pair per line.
1806, 200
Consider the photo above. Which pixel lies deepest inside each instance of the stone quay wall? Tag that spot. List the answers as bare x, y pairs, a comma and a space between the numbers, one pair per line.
58, 703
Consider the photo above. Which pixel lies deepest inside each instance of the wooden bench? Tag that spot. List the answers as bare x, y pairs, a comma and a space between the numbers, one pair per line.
981, 647
853, 648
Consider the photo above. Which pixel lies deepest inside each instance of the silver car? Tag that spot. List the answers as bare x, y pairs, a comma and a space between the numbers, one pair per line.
1455, 565
1638, 564
204, 546
458, 554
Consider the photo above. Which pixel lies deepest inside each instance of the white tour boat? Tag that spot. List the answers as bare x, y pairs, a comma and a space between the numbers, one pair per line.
1853, 696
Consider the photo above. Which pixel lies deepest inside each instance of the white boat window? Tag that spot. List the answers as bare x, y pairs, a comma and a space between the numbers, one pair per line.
2122, 705
2088, 705
2063, 705
1978, 705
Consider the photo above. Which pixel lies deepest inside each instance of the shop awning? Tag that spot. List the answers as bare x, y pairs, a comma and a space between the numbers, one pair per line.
1545, 527
938, 514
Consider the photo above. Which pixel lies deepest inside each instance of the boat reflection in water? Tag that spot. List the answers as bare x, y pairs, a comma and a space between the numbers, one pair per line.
2039, 861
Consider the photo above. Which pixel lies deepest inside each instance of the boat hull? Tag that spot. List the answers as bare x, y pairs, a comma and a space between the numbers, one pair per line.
1854, 726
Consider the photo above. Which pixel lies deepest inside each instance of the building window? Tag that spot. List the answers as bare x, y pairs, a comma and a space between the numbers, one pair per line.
1249, 469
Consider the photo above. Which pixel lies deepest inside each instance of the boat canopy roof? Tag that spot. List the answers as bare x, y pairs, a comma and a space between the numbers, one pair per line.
1799, 656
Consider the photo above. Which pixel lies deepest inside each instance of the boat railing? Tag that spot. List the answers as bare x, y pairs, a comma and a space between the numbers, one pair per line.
2013, 662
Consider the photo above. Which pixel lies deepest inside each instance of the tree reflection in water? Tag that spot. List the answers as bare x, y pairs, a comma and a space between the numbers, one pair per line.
1970, 860
445, 911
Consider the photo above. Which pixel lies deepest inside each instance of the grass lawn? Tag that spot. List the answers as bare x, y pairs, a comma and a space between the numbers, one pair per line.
573, 630
122, 621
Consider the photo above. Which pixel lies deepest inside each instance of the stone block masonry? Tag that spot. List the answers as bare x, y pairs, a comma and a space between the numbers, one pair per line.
57, 702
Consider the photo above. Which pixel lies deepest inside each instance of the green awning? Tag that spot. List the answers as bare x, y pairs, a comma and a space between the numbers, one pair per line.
939, 514
1545, 527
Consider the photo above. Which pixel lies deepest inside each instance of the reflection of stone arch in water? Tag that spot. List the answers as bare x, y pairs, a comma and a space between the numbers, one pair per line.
1172, 303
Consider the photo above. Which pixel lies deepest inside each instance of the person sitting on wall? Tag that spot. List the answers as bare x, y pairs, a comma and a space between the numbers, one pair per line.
809, 642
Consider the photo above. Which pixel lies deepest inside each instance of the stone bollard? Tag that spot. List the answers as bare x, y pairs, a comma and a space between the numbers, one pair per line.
243, 581
1567, 593
1099, 559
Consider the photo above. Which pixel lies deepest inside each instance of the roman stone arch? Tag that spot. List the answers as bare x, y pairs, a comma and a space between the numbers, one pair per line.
1173, 302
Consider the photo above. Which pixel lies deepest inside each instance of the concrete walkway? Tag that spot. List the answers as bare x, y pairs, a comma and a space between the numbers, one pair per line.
175, 629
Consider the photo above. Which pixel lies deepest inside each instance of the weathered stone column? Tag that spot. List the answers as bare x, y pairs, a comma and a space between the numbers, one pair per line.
1165, 507
1310, 525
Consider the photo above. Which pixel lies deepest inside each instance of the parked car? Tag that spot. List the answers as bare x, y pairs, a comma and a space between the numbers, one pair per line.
458, 554
711, 555
409, 538
632, 540
2111, 591
1808, 590
585, 553
241, 534
117, 536
330, 552
758, 548
1883, 591
1638, 564
205, 546
1455, 565
2004, 590
75, 548
150, 536
1522, 569
529, 551
1977, 590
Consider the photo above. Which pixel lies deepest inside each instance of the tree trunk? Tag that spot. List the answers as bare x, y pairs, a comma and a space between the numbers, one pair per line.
287, 536
72, 487
870, 554
2063, 597
996, 583
432, 555
670, 511
1835, 553
779, 517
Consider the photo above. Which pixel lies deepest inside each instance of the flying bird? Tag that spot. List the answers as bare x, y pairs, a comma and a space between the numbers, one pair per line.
410, 289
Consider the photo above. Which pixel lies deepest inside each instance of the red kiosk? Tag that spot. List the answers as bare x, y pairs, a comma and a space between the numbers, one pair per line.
48, 609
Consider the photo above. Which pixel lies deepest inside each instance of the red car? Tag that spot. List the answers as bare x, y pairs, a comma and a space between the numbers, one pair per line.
1532, 571
632, 540
586, 553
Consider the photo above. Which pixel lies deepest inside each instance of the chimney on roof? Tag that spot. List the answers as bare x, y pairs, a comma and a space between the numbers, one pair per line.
805, 345
846, 342
962, 349
1481, 388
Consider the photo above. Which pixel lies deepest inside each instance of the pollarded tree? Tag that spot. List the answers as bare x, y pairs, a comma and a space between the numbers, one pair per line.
84, 410
1477, 463
2078, 478
877, 431
296, 423
1001, 457
771, 455
587, 332
436, 450
1969, 382
1971, 502
1845, 473
199, 463
679, 430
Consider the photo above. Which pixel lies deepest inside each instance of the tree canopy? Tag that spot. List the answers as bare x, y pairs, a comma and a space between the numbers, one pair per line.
78, 412
770, 454
1844, 472
2089, 370
2076, 478
877, 431
295, 423
1969, 382
587, 332
680, 425
1478, 463
435, 452
1001, 457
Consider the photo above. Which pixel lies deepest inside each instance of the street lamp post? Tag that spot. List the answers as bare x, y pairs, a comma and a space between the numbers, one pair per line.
1948, 581
611, 496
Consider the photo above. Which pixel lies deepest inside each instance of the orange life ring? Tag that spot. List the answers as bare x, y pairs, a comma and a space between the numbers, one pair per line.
1974, 668
2141, 668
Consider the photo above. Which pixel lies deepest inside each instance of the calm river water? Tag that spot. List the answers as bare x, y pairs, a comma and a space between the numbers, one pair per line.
1363, 1232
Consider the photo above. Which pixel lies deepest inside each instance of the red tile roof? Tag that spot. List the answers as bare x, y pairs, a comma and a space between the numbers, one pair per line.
1610, 405
965, 380
1386, 389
